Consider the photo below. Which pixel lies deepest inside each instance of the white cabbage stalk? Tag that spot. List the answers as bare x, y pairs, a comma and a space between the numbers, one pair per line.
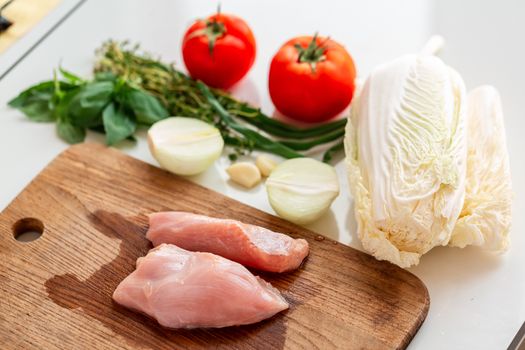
406, 153
486, 215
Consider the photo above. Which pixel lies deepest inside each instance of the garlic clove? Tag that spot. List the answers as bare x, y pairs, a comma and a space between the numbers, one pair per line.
265, 164
245, 174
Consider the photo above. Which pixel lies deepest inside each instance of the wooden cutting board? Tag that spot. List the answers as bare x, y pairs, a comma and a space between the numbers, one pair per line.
92, 202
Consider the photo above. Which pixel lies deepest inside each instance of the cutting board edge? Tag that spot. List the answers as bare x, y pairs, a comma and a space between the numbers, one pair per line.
422, 317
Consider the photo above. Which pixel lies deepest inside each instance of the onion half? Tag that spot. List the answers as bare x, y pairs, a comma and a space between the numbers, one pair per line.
302, 189
185, 146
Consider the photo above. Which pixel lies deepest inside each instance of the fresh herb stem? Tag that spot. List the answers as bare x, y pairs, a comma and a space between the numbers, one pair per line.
254, 115
260, 142
306, 145
263, 122
329, 154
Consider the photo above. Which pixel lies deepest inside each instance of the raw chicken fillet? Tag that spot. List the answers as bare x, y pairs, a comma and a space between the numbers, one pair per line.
246, 244
183, 289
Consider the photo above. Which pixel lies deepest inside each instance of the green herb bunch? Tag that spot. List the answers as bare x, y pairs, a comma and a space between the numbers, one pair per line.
106, 104
132, 88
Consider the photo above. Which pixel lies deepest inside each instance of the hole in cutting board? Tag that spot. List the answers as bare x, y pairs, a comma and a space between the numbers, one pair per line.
28, 229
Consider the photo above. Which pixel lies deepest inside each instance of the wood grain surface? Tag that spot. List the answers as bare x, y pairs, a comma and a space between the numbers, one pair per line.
24, 14
55, 292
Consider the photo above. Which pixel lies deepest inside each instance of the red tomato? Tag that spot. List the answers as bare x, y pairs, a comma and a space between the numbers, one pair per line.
311, 79
219, 50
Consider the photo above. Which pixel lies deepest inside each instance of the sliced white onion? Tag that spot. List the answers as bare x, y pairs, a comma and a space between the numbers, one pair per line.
184, 146
301, 190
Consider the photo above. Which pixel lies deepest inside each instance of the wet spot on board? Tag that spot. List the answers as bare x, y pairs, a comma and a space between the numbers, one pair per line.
93, 297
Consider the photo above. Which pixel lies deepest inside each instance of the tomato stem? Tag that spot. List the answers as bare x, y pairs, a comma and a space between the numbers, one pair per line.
313, 53
213, 30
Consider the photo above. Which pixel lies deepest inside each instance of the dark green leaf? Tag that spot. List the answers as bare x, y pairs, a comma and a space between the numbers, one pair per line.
70, 133
96, 94
85, 109
38, 111
117, 124
46, 87
105, 76
61, 110
99, 128
35, 102
146, 107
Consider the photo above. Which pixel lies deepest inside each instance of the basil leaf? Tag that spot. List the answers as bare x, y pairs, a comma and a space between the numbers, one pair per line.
35, 102
61, 108
105, 76
96, 94
85, 109
46, 87
69, 132
38, 111
146, 107
117, 124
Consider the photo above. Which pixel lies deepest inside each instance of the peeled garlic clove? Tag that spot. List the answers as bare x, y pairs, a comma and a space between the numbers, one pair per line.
301, 190
184, 146
245, 174
265, 164
486, 216
406, 157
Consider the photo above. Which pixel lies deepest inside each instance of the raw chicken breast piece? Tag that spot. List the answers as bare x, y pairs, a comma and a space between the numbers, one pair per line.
183, 289
249, 245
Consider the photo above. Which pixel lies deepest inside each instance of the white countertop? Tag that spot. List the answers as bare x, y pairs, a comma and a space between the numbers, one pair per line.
477, 299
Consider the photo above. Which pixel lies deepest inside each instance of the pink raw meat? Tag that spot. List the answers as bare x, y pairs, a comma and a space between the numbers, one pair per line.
249, 245
183, 289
